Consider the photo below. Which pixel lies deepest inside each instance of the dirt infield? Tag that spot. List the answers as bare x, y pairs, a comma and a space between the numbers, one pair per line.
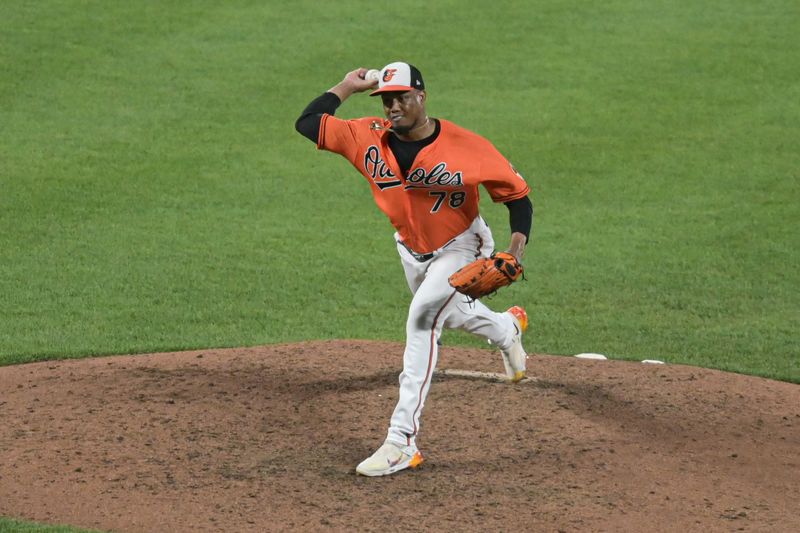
267, 439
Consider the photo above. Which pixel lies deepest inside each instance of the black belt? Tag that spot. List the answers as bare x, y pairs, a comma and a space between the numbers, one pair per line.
419, 257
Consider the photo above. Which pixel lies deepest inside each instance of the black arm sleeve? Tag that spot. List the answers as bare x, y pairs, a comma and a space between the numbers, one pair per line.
520, 214
310, 118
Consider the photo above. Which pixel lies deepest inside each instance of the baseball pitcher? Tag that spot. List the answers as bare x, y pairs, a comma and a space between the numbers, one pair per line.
424, 175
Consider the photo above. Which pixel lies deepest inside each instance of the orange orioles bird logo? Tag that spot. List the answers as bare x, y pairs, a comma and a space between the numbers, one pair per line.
389, 74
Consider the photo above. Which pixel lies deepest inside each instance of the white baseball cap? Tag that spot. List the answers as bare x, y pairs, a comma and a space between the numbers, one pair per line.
399, 76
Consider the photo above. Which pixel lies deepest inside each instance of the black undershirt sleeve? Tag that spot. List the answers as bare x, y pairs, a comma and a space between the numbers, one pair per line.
311, 117
520, 214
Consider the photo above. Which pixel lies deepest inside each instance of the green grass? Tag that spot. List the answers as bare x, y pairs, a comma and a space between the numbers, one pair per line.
154, 195
15, 526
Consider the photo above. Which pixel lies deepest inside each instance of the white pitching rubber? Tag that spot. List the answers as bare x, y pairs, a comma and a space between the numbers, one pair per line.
473, 374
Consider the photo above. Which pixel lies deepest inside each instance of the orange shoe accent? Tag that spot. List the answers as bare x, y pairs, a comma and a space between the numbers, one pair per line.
521, 315
416, 460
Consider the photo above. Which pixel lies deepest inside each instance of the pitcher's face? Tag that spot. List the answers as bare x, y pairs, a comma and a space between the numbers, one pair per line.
406, 110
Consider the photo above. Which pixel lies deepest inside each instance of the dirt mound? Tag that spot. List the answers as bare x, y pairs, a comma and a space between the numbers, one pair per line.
268, 438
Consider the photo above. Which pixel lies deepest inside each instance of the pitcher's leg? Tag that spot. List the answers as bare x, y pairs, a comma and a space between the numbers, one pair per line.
503, 330
476, 318
429, 308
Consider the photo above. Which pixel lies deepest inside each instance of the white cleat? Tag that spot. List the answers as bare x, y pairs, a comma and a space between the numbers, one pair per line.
514, 358
389, 459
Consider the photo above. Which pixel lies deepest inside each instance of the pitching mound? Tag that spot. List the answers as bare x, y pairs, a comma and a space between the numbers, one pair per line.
268, 438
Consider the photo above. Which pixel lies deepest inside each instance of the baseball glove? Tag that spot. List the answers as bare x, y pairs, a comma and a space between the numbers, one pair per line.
486, 275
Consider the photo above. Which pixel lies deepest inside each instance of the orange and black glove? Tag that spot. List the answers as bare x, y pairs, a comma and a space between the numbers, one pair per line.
486, 275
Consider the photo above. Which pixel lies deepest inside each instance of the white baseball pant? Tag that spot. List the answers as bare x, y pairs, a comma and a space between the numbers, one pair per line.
435, 305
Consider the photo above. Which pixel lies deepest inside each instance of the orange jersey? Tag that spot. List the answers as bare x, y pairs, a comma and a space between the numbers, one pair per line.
438, 198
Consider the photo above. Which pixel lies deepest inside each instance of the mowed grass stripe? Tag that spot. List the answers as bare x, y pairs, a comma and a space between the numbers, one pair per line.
155, 195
